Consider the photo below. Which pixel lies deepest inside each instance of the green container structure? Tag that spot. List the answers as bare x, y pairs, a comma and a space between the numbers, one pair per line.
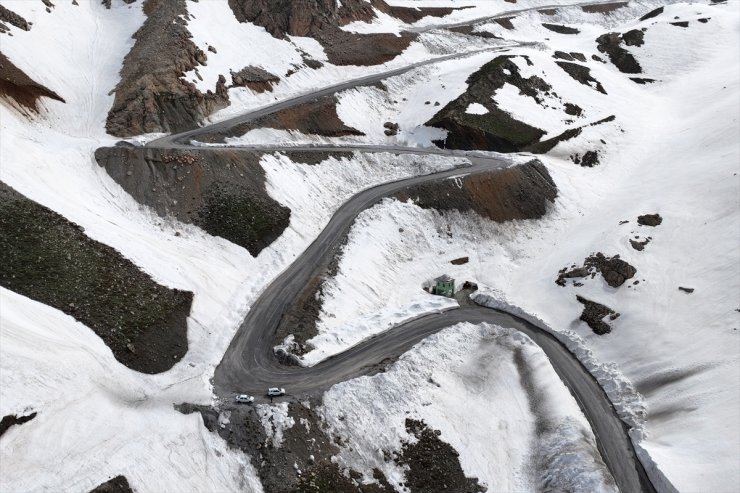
444, 285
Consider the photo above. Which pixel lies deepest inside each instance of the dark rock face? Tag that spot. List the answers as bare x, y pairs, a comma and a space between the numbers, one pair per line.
119, 484
686, 290
20, 90
321, 19
593, 314
680, 24
51, 260
7, 16
495, 130
652, 13
639, 245
12, 420
614, 270
635, 37
304, 445
220, 190
582, 74
603, 8
433, 465
520, 192
588, 160
561, 29
649, 220
255, 78
151, 96
610, 44
318, 117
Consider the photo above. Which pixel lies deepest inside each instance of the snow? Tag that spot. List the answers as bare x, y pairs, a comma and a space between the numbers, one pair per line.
673, 356
671, 363
275, 420
476, 109
494, 381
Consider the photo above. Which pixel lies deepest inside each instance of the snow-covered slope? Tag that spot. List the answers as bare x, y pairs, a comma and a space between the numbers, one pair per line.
674, 151
480, 386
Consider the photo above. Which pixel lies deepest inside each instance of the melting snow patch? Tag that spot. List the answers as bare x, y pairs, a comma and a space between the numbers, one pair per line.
275, 420
476, 109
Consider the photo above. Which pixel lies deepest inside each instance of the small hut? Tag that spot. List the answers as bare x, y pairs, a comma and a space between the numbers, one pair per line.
444, 285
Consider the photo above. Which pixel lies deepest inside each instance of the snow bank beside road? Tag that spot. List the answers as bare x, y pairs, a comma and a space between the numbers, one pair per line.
496, 399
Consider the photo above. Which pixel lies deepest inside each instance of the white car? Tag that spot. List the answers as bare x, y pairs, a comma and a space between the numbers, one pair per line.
244, 398
275, 391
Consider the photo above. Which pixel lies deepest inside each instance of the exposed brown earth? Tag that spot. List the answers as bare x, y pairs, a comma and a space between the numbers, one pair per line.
604, 8
51, 260
321, 19
304, 444
19, 90
318, 117
152, 96
255, 78
433, 465
520, 192
119, 484
221, 191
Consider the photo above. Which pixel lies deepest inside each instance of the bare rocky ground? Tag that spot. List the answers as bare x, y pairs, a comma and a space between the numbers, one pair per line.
119, 484
152, 96
20, 90
51, 260
221, 191
318, 117
302, 461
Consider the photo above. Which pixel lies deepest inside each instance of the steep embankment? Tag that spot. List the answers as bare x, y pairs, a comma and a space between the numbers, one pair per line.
49, 259
220, 190
152, 96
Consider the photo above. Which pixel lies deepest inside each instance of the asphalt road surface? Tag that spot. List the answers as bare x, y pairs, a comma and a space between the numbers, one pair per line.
249, 364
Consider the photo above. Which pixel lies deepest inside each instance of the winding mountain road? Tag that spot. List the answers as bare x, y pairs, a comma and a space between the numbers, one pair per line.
249, 364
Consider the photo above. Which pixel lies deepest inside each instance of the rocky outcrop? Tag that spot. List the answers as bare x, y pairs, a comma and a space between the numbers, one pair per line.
611, 44
255, 78
13, 420
321, 19
560, 29
318, 117
614, 270
582, 74
432, 465
152, 96
221, 191
519, 192
107, 4
496, 130
594, 313
119, 484
19, 90
49, 259
7, 16
649, 220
